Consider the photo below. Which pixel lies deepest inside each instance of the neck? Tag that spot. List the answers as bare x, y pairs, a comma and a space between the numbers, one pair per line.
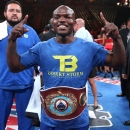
65, 40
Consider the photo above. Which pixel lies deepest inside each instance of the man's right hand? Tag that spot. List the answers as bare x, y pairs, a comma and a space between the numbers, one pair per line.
18, 30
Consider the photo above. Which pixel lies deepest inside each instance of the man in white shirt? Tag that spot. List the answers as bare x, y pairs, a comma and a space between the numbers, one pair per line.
80, 30
83, 33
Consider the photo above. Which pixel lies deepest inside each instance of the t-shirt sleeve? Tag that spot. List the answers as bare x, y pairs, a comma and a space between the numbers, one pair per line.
31, 57
100, 56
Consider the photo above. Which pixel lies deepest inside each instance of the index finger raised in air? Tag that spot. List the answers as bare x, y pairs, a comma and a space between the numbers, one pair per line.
24, 20
103, 18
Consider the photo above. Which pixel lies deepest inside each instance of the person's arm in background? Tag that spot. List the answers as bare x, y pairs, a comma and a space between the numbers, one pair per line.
103, 39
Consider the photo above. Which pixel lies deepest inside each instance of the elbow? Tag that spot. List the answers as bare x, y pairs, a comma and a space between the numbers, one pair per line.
14, 68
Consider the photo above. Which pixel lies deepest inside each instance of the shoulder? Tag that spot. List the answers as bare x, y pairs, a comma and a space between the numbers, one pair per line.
89, 46
120, 30
83, 31
123, 30
53, 33
84, 42
43, 37
43, 34
40, 44
79, 33
3, 23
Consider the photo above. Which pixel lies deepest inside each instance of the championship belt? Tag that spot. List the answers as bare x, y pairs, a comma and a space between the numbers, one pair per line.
63, 102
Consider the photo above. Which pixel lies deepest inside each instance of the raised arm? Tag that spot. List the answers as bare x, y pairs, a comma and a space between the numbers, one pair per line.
13, 57
117, 58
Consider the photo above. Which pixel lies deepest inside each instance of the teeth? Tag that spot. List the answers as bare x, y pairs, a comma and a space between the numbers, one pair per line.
62, 26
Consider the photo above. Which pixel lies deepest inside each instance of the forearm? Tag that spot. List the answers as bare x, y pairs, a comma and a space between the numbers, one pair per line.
13, 58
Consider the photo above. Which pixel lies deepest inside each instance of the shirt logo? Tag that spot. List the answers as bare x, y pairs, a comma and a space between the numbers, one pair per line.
67, 63
25, 35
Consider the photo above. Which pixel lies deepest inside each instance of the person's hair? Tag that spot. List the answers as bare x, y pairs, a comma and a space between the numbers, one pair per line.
12, 2
123, 23
47, 27
50, 23
128, 20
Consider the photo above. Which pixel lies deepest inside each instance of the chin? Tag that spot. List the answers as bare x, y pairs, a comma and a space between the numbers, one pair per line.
13, 23
63, 34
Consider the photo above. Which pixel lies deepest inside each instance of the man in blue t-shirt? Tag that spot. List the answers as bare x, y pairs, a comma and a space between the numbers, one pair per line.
15, 85
65, 62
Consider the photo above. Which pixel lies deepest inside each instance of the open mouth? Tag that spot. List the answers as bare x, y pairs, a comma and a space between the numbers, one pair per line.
14, 17
62, 27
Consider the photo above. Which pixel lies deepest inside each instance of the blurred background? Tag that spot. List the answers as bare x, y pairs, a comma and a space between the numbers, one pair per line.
40, 12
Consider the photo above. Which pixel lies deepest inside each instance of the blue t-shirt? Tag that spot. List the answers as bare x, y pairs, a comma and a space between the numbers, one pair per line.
65, 65
22, 79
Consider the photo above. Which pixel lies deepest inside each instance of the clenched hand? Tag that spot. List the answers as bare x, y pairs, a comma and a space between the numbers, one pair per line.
110, 29
18, 30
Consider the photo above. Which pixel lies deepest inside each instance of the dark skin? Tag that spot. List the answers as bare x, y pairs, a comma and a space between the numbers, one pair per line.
63, 23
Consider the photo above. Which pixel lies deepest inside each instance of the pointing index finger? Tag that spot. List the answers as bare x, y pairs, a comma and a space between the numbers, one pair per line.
103, 19
24, 20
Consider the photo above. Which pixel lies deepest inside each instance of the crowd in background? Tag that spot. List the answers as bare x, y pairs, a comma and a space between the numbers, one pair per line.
19, 37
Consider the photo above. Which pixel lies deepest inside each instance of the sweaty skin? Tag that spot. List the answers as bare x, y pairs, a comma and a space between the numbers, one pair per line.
63, 23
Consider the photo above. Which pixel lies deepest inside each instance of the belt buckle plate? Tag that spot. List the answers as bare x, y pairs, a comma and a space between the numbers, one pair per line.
61, 103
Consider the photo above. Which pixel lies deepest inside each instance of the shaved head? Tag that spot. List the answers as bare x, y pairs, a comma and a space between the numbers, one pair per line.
51, 21
80, 22
68, 10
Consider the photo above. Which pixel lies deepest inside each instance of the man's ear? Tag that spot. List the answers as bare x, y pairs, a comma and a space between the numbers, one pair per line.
5, 14
51, 21
75, 22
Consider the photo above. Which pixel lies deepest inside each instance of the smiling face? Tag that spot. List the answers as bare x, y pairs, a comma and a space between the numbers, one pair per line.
13, 14
63, 21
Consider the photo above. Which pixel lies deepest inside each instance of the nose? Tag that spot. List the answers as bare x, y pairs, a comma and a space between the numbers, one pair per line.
62, 19
15, 12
